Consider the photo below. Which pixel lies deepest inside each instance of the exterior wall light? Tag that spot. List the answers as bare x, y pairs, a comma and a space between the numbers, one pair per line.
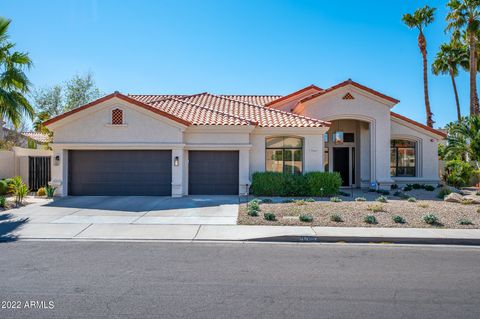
176, 161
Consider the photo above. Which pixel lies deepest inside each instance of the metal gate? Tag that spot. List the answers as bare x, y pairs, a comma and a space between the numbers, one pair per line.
38, 172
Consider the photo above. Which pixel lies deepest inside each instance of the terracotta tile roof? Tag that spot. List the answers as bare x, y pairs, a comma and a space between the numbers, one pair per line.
406, 119
209, 109
253, 99
282, 98
39, 137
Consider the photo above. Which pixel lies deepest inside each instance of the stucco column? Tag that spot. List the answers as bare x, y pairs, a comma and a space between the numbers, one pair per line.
244, 170
59, 171
313, 157
178, 162
365, 162
382, 153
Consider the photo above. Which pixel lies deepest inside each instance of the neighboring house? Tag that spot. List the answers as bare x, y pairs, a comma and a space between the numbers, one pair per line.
212, 144
22, 139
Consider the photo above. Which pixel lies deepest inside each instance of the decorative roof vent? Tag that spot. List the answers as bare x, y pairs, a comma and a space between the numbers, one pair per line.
117, 117
348, 96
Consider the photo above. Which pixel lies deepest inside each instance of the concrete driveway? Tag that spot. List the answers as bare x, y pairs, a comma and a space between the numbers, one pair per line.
191, 210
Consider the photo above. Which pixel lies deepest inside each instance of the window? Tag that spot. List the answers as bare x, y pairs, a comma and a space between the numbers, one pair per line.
348, 137
117, 117
402, 158
325, 160
284, 154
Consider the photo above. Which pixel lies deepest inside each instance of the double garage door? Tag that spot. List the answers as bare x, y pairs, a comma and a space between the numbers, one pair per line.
149, 172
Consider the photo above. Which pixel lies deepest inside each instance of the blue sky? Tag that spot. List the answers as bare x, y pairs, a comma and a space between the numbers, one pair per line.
242, 47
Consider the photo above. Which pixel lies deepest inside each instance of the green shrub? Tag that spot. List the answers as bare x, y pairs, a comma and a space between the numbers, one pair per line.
267, 200
19, 189
466, 201
431, 219
412, 199
309, 184
360, 199
253, 213
336, 218
270, 216
398, 219
417, 186
322, 183
463, 221
336, 199
310, 200
444, 191
407, 188
383, 192
41, 191
253, 207
376, 208
394, 186
50, 191
382, 199
300, 202
3, 187
3, 201
429, 188
459, 173
370, 219
306, 218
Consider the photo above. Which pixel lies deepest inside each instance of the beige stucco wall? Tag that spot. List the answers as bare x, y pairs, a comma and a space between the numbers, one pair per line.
7, 164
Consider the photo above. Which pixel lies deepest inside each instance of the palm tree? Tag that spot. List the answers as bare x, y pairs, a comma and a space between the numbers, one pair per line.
14, 84
447, 61
420, 19
464, 18
464, 140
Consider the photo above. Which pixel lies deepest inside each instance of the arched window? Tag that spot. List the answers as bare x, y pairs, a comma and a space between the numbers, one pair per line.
402, 158
284, 155
117, 117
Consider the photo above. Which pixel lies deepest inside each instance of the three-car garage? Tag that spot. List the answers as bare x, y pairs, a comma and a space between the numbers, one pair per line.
149, 172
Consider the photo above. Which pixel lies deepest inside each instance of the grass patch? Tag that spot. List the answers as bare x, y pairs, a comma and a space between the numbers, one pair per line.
422, 205
376, 208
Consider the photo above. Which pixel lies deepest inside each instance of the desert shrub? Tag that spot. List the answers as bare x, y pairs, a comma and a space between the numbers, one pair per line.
466, 201
3, 201
309, 184
444, 191
464, 221
407, 188
19, 189
429, 188
370, 219
422, 205
322, 183
430, 219
41, 191
376, 208
310, 200
3, 187
253, 213
50, 190
336, 218
306, 218
382, 199
253, 207
300, 202
360, 199
412, 199
270, 216
383, 192
398, 219
458, 173
336, 199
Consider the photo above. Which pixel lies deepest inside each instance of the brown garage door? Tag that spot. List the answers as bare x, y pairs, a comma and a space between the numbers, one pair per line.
125, 173
213, 173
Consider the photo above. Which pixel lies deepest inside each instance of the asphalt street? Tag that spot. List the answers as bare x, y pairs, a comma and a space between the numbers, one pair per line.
222, 280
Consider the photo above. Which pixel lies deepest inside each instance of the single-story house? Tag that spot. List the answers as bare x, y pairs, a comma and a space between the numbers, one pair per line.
180, 145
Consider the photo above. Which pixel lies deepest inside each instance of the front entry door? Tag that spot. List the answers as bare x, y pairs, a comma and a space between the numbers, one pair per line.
341, 161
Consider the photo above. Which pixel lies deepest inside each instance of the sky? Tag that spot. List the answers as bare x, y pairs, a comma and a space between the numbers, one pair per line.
235, 47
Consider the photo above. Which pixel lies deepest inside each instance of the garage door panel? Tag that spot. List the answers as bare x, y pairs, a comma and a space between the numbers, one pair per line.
120, 172
213, 172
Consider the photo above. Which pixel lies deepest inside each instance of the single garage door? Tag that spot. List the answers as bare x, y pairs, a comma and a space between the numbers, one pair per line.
125, 173
213, 173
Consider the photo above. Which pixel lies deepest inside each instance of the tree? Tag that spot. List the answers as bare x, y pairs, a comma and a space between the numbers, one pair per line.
14, 84
464, 19
419, 20
464, 140
50, 102
447, 61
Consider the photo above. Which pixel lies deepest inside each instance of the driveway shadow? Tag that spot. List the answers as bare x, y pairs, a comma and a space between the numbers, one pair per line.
140, 203
8, 225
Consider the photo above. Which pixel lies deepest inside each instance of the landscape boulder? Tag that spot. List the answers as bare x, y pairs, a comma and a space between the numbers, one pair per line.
453, 198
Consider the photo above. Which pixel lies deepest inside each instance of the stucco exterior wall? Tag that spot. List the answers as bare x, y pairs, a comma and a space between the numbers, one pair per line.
7, 164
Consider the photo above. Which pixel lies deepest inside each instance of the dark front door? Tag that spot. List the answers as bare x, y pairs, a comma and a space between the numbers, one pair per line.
213, 172
120, 172
341, 160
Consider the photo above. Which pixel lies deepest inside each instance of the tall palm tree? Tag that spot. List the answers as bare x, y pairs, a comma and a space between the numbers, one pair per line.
14, 84
464, 18
419, 20
447, 61
464, 139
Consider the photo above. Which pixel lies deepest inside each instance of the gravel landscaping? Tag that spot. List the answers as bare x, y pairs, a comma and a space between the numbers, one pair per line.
353, 213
